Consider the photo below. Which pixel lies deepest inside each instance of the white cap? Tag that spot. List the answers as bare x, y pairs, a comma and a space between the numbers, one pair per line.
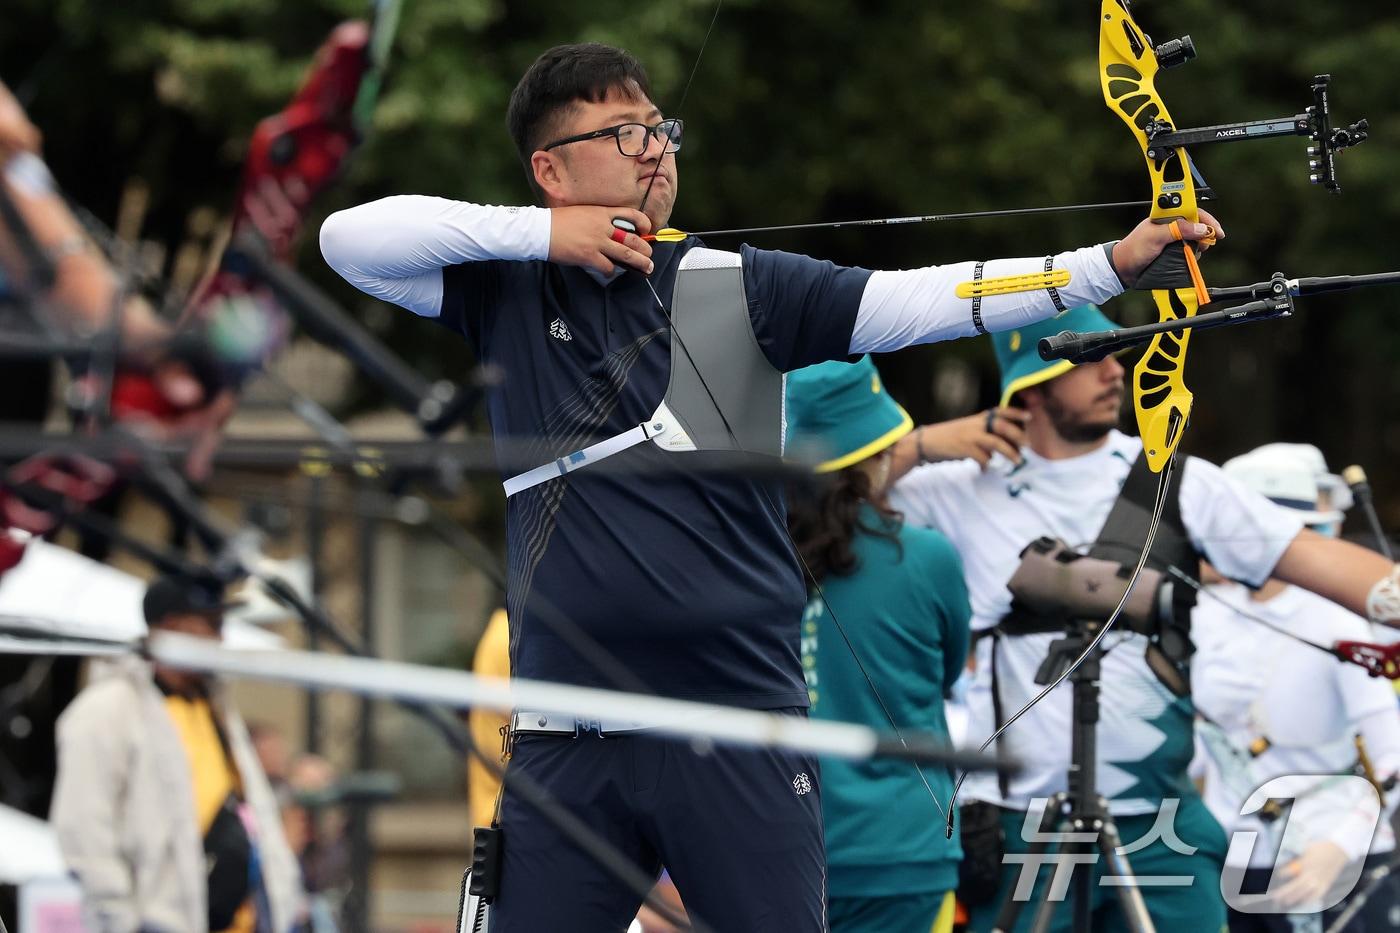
1293, 475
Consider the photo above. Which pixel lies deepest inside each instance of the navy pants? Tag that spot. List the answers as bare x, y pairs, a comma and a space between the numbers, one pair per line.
739, 830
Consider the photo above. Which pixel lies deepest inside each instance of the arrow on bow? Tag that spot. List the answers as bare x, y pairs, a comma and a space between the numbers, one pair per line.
672, 235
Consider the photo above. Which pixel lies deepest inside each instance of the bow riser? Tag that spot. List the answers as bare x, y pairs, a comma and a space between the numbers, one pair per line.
1128, 69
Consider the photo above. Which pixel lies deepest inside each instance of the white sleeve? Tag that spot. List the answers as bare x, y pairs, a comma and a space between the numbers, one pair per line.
928, 495
1200, 756
1345, 813
1239, 531
900, 309
396, 248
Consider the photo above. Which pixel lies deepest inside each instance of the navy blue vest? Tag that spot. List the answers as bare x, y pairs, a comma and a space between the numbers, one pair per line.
686, 579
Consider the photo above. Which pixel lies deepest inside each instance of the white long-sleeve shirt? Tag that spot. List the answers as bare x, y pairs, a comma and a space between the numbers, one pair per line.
699, 561
396, 248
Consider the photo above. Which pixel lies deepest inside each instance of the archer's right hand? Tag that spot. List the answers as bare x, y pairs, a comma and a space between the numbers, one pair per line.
582, 235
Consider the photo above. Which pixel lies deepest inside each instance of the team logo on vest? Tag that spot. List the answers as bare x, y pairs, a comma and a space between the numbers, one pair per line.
559, 330
802, 784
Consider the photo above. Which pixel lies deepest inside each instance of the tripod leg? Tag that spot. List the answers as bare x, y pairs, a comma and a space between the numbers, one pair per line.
1039, 852
1045, 910
1118, 873
1073, 874
1083, 891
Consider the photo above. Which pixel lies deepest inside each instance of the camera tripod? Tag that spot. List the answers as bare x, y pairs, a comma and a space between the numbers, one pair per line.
1076, 828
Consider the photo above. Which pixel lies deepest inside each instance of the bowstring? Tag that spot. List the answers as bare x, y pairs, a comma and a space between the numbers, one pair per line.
773, 507
807, 570
1203, 590
685, 92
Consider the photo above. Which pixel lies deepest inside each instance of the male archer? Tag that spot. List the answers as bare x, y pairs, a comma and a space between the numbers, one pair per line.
687, 578
1083, 481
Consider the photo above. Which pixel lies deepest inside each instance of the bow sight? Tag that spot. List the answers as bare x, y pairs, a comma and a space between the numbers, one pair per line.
1130, 61
1315, 123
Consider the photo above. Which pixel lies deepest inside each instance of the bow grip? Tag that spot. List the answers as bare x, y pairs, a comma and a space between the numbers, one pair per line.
1170, 270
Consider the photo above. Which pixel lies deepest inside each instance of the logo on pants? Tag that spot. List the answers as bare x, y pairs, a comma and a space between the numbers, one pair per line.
802, 784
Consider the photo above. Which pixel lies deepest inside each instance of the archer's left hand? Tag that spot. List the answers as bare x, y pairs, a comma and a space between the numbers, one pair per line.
1136, 251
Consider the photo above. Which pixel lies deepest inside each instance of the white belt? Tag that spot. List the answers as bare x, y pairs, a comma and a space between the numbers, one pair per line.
526, 722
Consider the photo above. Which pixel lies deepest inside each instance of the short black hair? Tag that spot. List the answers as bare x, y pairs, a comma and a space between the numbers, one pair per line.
557, 80
174, 595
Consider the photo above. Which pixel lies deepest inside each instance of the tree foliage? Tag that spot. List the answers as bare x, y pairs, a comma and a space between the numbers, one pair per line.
808, 111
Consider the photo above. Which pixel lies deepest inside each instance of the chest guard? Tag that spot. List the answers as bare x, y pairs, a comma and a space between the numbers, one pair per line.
723, 393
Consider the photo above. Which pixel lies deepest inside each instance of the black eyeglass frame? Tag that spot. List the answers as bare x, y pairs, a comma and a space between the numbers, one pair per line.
616, 133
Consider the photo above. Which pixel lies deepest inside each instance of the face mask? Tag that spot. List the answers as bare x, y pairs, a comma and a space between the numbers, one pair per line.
1328, 529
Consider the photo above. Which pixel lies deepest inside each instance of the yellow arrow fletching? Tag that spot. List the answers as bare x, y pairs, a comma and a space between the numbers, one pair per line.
667, 235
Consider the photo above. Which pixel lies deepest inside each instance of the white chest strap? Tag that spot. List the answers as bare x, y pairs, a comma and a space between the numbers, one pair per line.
662, 428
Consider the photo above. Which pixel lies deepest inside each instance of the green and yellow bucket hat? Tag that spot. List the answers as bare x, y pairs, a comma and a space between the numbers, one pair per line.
840, 414
1020, 363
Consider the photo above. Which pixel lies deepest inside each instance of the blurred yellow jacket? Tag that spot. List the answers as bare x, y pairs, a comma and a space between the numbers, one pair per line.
492, 659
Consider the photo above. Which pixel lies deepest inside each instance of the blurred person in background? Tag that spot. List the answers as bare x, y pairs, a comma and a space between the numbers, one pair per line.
491, 659
1077, 478
161, 808
189, 399
898, 592
318, 839
79, 299
1272, 706
270, 744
